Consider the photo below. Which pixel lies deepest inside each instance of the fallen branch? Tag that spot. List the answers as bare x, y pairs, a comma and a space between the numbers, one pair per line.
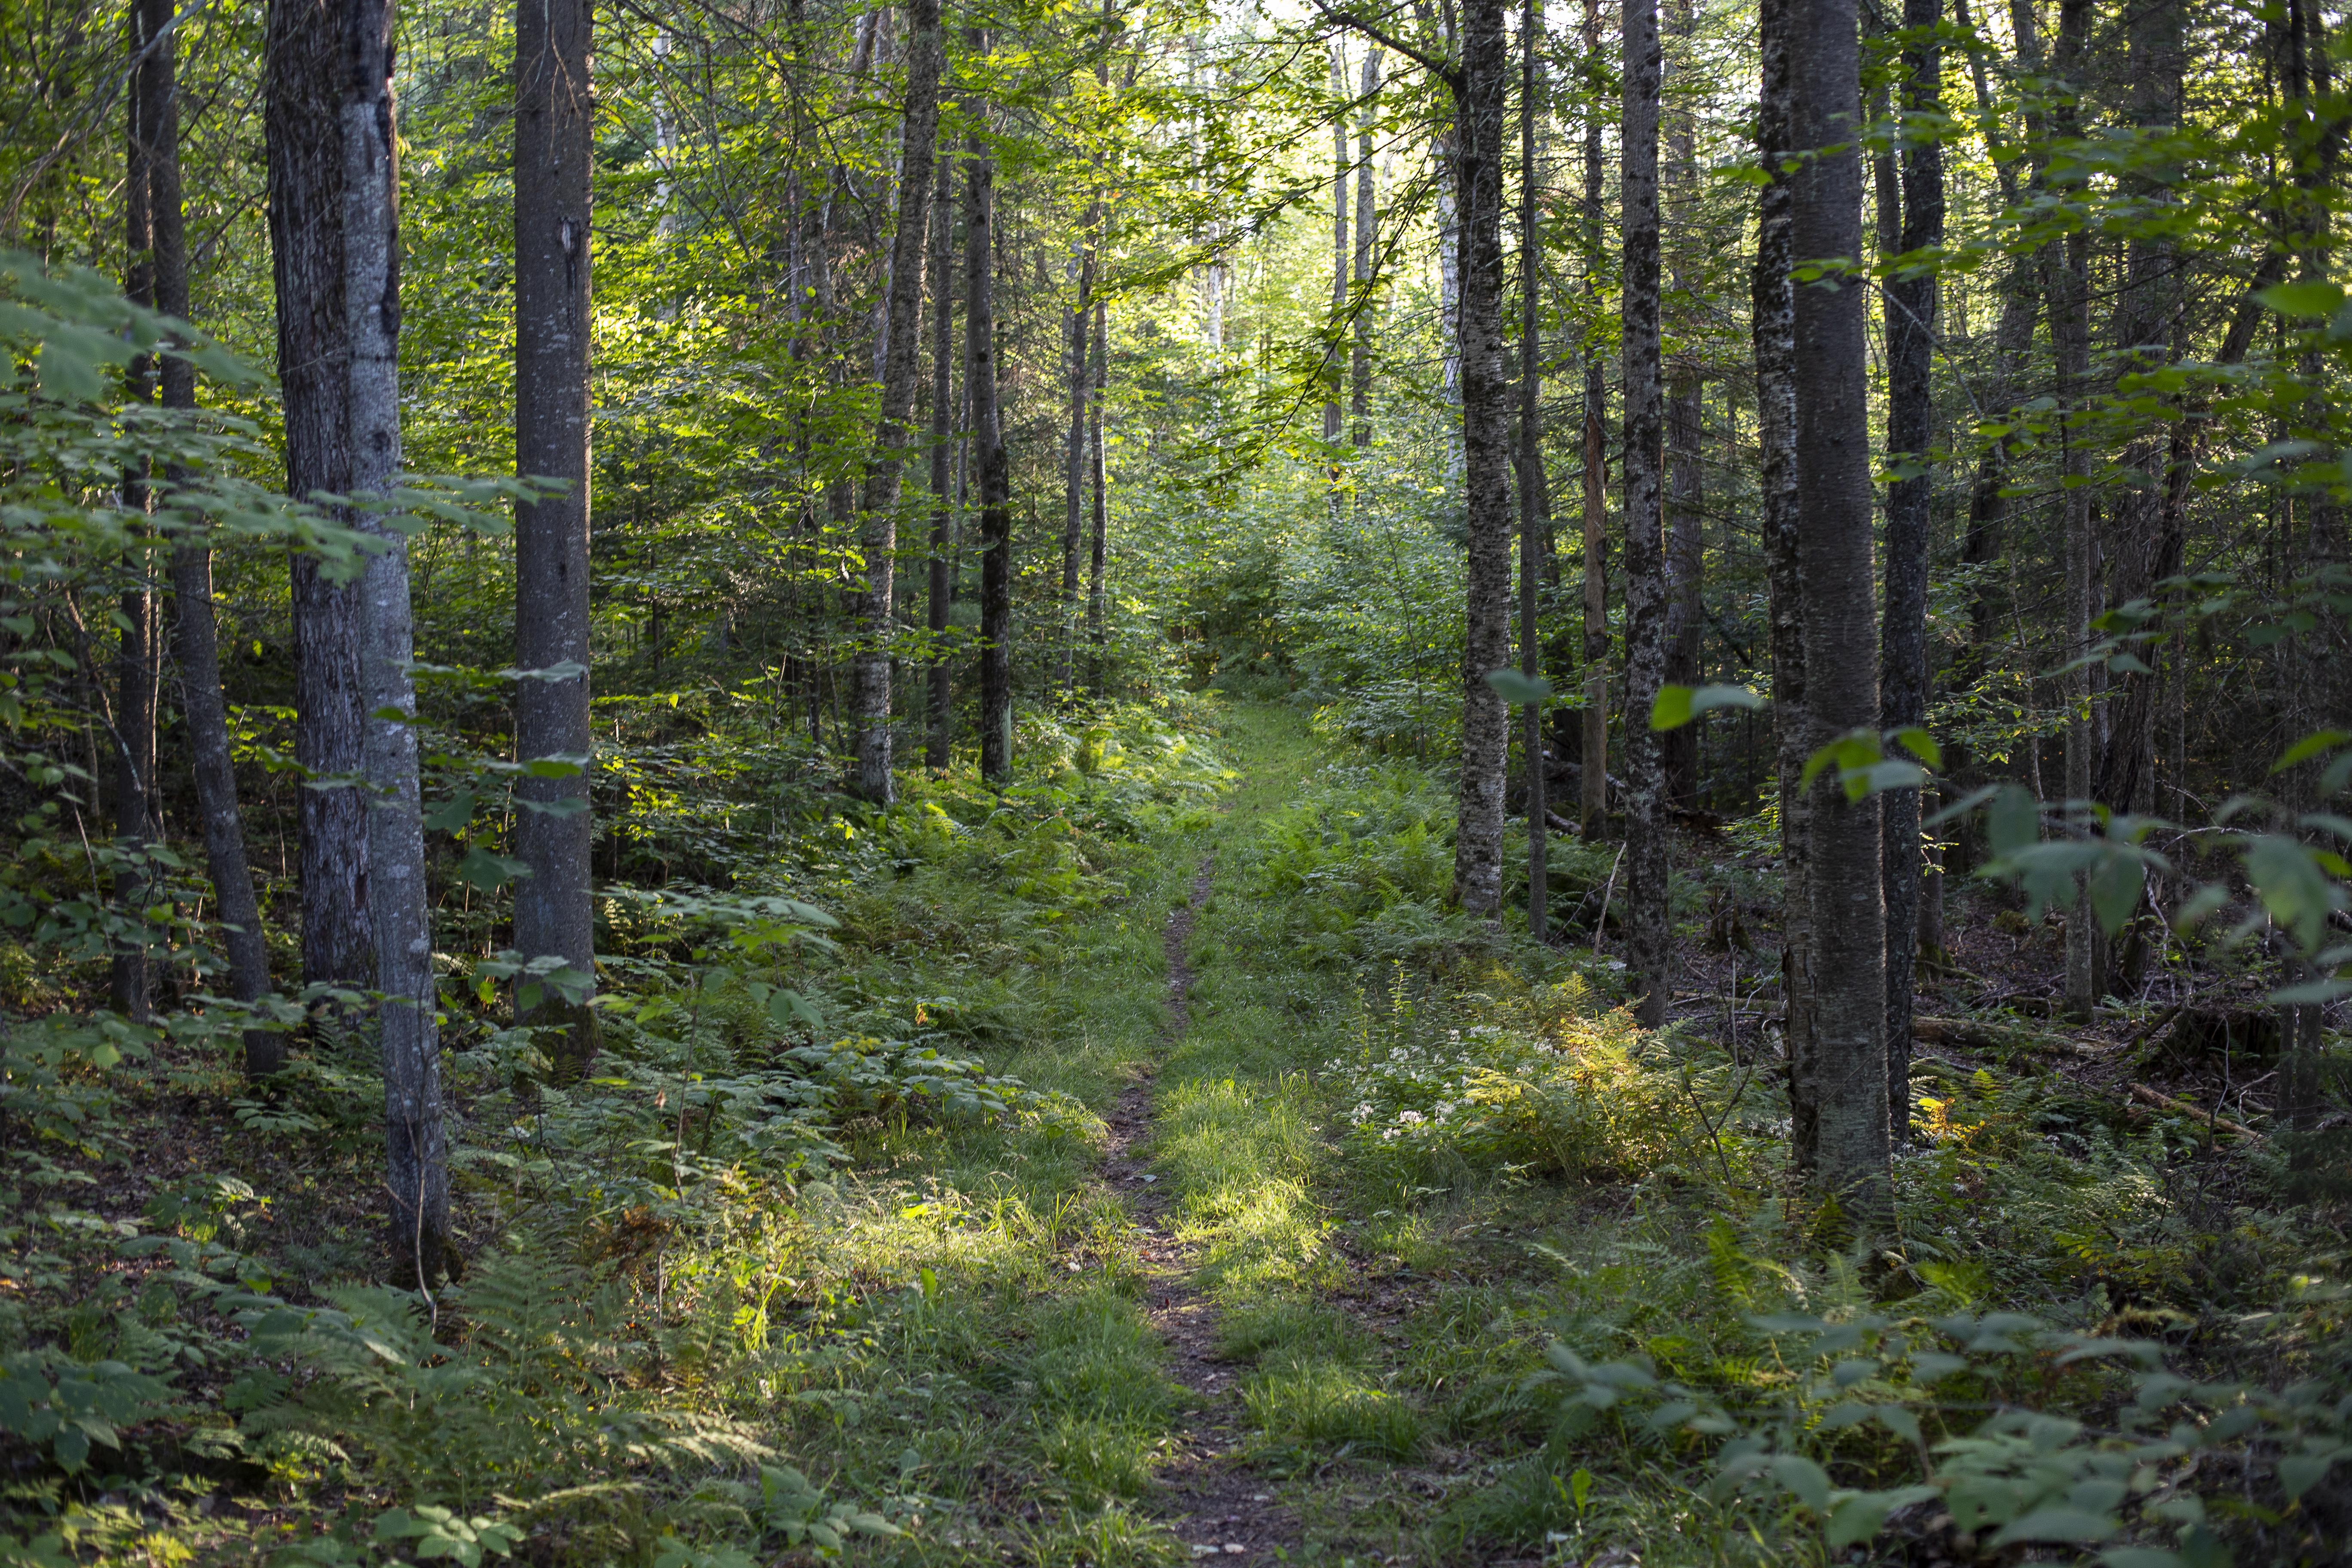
2147, 1096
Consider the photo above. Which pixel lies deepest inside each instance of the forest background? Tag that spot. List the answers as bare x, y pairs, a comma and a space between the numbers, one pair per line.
959, 395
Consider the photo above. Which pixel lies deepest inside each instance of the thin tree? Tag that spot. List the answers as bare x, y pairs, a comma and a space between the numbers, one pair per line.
901, 359
1096, 555
303, 130
1341, 258
1685, 413
2069, 288
1911, 326
1649, 948
988, 443
197, 642
1593, 753
944, 406
1848, 987
554, 835
419, 1178
1359, 394
1534, 520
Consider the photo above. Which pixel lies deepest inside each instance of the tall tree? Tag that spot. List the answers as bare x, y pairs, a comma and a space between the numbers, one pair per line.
1833, 501
555, 116
1686, 415
901, 359
303, 129
1478, 128
945, 407
419, 1178
196, 643
1360, 397
1593, 754
135, 827
1340, 256
1650, 948
1773, 318
1534, 520
1096, 630
988, 446
1911, 327
2069, 288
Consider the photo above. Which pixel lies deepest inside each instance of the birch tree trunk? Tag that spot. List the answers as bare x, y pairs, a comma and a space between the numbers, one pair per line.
1341, 258
901, 358
1649, 950
945, 392
1835, 497
1911, 326
1367, 232
303, 130
554, 833
1486, 458
419, 1178
1533, 520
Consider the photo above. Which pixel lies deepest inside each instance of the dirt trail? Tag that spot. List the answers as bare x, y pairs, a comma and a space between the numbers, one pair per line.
1214, 1504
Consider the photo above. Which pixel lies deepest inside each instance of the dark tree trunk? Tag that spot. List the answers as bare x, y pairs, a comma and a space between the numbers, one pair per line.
1650, 947
196, 643
303, 128
1359, 396
945, 407
1773, 315
1685, 418
988, 443
418, 1176
1486, 458
555, 834
1848, 985
2069, 288
1535, 521
1911, 327
1074, 453
901, 359
1096, 630
1593, 753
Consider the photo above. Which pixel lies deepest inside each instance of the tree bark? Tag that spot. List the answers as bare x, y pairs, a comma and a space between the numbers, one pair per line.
554, 833
1486, 459
302, 126
945, 407
1367, 235
1848, 987
1648, 947
901, 359
1534, 493
988, 442
1074, 451
1773, 316
418, 1177
1340, 255
1593, 753
2069, 289
1686, 415
1095, 629
1911, 325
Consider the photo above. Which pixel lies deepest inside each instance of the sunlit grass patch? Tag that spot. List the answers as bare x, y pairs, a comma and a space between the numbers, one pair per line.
1329, 1404
1238, 1155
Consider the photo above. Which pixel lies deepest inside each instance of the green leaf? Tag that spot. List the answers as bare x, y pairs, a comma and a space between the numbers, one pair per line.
1514, 687
2319, 300
1920, 744
2298, 1473
1808, 1480
450, 818
1677, 705
2310, 746
2057, 1521
787, 1007
2292, 888
2115, 889
2014, 821
1855, 1517
482, 870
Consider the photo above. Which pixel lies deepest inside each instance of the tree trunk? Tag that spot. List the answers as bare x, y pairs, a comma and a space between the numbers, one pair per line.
1848, 985
418, 1179
1685, 415
1367, 234
1593, 754
1911, 327
1773, 315
2069, 291
988, 442
944, 410
1074, 451
1486, 459
302, 125
1096, 631
1649, 948
1534, 493
148, 105
1340, 255
901, 359
238, 914
555, 834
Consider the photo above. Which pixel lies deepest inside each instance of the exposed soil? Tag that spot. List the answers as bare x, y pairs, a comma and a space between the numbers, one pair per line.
1209, 1497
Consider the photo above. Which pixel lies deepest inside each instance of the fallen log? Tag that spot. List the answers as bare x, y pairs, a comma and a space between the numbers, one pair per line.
2147, 1096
